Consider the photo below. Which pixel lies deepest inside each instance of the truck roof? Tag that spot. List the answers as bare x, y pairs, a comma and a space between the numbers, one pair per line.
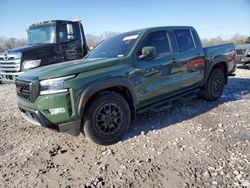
167, 27
158, 28
53, 21
161, 28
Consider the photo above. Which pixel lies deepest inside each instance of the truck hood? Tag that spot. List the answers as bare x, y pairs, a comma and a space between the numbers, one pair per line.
37, 51
68, 68
243, 46
31, 47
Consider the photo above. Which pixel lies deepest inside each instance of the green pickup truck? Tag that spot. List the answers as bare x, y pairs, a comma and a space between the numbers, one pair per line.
124, 75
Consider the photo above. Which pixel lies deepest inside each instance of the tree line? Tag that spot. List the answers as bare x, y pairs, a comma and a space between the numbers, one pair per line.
8, 43
236, 39
93, 40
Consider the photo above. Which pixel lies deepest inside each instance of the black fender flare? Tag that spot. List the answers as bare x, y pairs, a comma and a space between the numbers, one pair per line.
217, 60
100, 85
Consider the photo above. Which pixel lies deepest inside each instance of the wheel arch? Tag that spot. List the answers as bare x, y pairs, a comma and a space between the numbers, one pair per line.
120, 85
219, 62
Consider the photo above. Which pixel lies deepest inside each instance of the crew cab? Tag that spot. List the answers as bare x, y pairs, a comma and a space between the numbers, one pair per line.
124, 75
49, 42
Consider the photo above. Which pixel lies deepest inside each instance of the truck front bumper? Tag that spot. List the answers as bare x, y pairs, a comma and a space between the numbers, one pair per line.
37, 118
8, 77
243, 59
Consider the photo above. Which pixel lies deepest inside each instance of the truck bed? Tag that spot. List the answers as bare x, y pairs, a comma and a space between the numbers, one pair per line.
223, 49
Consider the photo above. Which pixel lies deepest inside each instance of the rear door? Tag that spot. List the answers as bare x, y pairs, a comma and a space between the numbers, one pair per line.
190, 57
160, 75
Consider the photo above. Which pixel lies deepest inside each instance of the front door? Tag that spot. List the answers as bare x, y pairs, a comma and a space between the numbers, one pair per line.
160, 75
69, 41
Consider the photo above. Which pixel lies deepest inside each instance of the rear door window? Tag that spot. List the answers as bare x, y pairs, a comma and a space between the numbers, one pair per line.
184, 40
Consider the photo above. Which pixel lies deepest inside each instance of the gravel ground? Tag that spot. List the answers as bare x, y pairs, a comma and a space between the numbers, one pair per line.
191, 144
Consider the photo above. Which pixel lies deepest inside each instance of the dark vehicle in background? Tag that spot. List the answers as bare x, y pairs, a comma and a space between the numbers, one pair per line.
243, 53
124, 75
49, 42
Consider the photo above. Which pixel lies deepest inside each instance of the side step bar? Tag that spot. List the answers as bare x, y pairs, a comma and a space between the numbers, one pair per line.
167, 103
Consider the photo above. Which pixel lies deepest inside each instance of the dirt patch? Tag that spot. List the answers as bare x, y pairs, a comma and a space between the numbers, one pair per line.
191, 144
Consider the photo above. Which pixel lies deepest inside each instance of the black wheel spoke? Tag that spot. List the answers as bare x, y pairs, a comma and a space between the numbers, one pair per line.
107, 109
104, 126
115, 120
217, 85
101, 117
111, 127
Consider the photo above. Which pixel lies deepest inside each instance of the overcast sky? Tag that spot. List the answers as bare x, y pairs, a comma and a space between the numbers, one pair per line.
211, 18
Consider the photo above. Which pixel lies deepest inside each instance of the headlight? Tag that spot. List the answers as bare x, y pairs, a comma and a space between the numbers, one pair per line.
31, 64
55, 85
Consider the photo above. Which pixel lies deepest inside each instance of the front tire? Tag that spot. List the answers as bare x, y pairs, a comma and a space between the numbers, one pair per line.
215, 85
107, 119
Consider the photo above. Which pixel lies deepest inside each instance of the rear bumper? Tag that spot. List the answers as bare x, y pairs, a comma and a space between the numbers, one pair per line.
8, 77
35, 117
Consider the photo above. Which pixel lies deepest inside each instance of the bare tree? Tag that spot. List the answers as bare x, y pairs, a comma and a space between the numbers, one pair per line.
108, 34
239, 39
93, 40
6, 44
236, 39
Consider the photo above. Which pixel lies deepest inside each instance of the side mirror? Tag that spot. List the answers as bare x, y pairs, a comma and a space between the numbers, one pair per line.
147, 52
70, 33
70, 29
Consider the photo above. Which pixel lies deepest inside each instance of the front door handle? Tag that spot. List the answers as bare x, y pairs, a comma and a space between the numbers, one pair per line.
151, 72
172, 62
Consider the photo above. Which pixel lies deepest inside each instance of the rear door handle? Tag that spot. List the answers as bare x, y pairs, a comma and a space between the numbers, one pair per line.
173, 61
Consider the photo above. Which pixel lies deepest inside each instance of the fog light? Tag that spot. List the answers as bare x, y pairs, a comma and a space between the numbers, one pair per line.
54, 111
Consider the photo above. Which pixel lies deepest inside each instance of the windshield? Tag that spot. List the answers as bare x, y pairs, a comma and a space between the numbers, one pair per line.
41, 34
117, 46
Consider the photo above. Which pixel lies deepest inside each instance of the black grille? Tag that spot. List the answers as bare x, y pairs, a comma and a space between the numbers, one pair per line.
27, 89
7, 59
240, 51
24, 90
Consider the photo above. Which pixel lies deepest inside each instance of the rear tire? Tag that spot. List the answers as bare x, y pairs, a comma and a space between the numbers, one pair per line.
107, 119
215, 85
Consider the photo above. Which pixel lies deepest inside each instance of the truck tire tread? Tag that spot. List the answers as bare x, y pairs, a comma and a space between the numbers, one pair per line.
214, 86
90, 126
